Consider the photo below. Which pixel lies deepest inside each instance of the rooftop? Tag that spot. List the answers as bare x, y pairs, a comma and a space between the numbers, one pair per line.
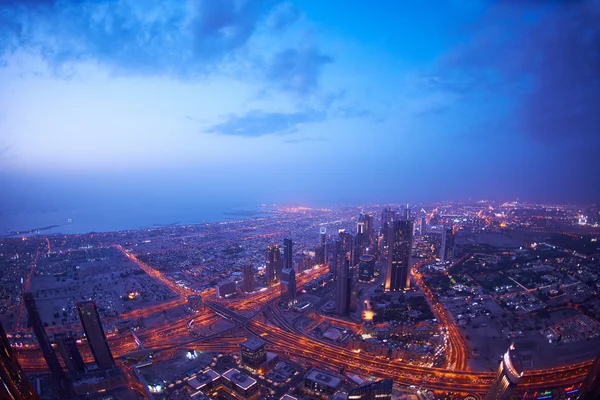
253, 344
241, 380
323, 378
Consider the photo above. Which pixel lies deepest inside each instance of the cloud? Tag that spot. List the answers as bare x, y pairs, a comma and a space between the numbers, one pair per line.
129, 36
284, 15
258, 123
297, 70
545, 56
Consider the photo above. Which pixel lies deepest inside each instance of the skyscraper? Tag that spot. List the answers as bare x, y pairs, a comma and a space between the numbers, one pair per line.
508, 376
343, 288
67, 347
447, 245
58, 374
399, 258
380, 390
406, 215
248, 284
423, 227
366, 268
288, 285
272, 270
92, 326
13, 382
288, 261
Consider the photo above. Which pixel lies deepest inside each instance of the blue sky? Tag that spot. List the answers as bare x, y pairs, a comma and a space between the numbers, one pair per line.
302, 101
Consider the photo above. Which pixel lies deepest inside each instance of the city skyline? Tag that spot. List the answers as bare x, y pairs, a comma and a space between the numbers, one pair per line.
187, 96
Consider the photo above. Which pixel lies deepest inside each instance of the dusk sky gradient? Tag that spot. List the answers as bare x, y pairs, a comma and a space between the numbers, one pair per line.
303, 102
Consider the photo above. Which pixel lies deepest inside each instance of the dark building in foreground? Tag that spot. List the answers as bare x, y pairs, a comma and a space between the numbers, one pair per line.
248, 284
58, 374
288, 286
94, 332
288, 262
13, 382
343, 291
400, 244
508, 376
590, 388
380, 390
67, 347
253, 353
273, 265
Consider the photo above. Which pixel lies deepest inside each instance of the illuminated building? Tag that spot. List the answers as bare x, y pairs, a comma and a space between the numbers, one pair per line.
288, 262
591, 385
320, 383
248, 285
423, 226
400, 243
407, 213
13, 382
366, 268
273, 267
226, 288
380, 390
508, 376
288, 286
447, 245
94, 332
343, 289
58, 374
253, 353
323, 233
206, 381
194, 302
239, 383
67, 347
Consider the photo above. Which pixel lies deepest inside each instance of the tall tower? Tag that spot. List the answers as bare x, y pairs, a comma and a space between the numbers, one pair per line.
323, 233
288, 254
343, 288
67, 347
399, 259
508, 376
443, 247
407, 213
248, 285
288, 285
58, 374
272, 270
14, 383
92, 326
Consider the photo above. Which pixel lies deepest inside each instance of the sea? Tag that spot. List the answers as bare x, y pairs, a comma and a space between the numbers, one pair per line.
80, 220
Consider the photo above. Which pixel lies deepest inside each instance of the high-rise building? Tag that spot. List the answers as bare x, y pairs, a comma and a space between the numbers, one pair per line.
343, 288
248, 284
366, 268
288, 285
94, 332
288, 254
13, 382
380, 390
58, 374
423, 226
324, 250
399, 258
590, 388
387, 218
226, 288
406, 215
508, 376
253, 353
447, 245
67, 347
273, 268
